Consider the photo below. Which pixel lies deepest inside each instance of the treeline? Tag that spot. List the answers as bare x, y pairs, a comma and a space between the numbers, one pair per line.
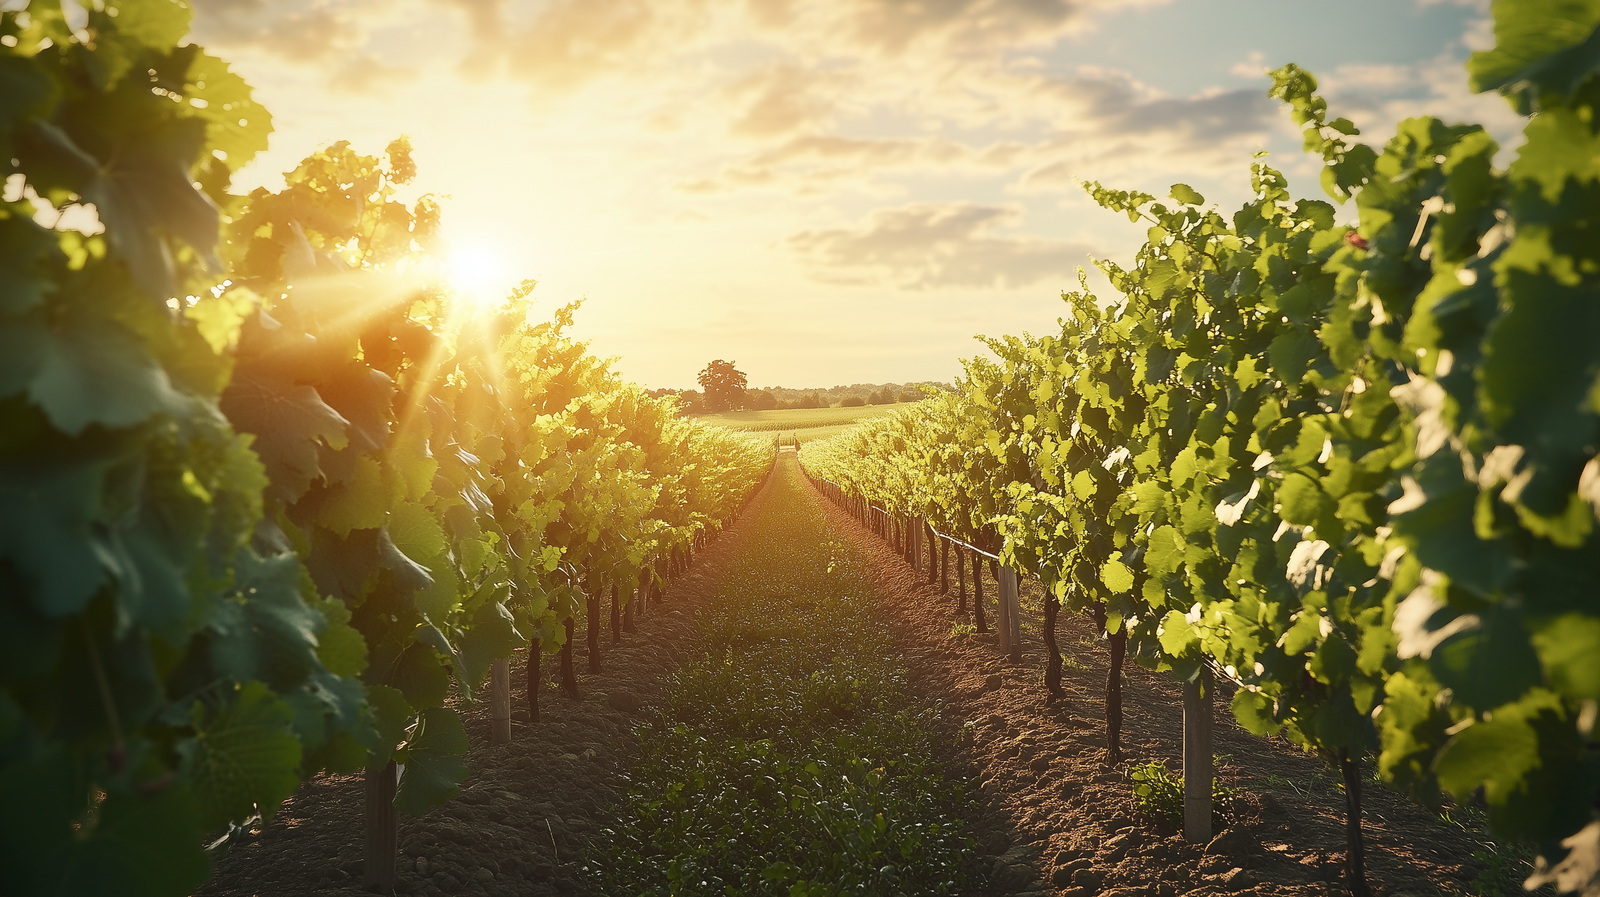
1352, 470
267, 498
778, 397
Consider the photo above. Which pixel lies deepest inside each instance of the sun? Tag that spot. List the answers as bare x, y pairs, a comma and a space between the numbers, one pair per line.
478, 276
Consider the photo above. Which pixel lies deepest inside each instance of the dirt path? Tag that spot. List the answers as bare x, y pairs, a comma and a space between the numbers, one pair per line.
1058, 820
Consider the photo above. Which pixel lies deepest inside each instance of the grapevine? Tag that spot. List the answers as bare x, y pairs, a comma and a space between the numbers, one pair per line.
1349, 468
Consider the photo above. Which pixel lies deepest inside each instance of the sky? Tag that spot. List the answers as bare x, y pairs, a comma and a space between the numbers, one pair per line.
823, 191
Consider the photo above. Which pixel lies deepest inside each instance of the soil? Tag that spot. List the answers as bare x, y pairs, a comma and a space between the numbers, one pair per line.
1057, 820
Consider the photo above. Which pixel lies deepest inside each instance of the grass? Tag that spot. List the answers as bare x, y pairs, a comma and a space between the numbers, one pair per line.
788, 759
804, 420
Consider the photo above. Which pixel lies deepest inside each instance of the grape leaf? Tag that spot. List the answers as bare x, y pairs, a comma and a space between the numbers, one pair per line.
143, 195
96, 372
25, 248
243, 756
49, 533
288, 421
434, 767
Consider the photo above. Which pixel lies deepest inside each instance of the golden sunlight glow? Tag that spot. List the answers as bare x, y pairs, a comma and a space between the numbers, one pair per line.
477, 275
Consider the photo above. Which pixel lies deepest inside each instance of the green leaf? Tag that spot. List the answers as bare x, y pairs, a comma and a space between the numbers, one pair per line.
1116, 576
26, 91
419, 675
1186, 194
340, 647
1569, 650
288, 421
243, 756
390, 715
361, 502
1253, 710
492, 635
1499, 753
146, 845
144, 196
434, 766
1290, 354
1177, 636
1489, 664
49, 533
1164, 554
137, 27
267, 631
90, 372
1540, 45
1301, 501
238, 125
25, 248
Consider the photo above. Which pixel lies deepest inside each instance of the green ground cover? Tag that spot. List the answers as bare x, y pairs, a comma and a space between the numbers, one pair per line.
788, 758
802, 420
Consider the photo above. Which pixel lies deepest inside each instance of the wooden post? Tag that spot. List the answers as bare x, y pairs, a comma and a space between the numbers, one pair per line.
961, 578
616, 617
383, 829
500, 702
977, 593
592, 608
944, 567
535, 654
1010, 613
1197, 757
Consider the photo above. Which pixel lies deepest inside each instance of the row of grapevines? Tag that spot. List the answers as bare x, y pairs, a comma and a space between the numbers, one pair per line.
264, 491
1353, 468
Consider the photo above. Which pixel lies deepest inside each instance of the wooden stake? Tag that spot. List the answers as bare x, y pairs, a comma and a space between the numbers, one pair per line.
500, 702
1010, 614
1197, 758
944, 567
383, 829
535, 655
977, 593
616, 617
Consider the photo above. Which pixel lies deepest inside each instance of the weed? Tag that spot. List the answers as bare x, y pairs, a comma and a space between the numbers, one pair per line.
959, 629
1160, 796
788, 758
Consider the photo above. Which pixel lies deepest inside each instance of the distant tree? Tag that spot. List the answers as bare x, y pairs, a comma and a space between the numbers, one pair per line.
763, 400
809, 400
724, 385
879, 397
692, 401
853, 402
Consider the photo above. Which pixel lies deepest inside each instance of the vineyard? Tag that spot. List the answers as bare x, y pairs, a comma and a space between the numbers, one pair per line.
319, 574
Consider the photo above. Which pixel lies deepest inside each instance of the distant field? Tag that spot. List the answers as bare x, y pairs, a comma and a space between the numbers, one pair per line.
809, 423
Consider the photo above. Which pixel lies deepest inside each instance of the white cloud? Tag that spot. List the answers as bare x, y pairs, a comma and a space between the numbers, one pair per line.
936, 245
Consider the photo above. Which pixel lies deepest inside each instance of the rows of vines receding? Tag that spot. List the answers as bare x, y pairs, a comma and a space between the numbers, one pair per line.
265, 492
1354, 468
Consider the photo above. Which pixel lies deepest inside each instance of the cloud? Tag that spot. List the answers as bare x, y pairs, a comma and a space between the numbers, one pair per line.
807, 164
933, 245
897, 27
1378, 97
295, 30
365, 74
784, 98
